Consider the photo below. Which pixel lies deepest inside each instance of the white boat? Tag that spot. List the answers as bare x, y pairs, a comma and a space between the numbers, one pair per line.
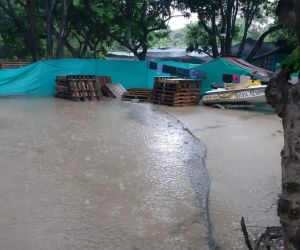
251, 94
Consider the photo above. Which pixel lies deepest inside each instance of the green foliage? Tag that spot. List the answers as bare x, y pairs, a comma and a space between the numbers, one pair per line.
137, 25
292, 63
10, 41
156, 38
225, 22
170, 38
11, 38
197, 39
86, 31
95, 26
285, 34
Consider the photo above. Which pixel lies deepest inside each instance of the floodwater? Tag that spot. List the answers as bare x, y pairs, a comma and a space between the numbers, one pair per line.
106, 175
243, 160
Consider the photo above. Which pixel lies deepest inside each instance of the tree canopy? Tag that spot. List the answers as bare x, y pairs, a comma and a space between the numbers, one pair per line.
221, 23
80, 28
39, 29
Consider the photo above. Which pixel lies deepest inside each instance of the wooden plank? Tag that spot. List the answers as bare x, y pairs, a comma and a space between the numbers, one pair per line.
87, 87
113, 89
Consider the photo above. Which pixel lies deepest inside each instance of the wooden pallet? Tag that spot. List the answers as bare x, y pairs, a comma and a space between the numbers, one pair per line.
178, 87
114, 90
78, 88
143, 95
177, 103
11, 64
172, 90
103, 79
176, 92
87, 87
188, 98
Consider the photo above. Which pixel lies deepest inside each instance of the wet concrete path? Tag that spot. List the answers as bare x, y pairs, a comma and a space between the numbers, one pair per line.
105, 175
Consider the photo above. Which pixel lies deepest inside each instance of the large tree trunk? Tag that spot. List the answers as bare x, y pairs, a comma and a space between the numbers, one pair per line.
229, 13
144, 44
31, 12
49, 15
285, 98
142, 55
212, 33
62, 28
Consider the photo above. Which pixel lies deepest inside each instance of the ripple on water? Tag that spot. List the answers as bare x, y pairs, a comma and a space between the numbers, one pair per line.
99, 176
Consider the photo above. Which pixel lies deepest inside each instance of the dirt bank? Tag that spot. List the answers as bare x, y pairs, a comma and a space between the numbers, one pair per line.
243, 159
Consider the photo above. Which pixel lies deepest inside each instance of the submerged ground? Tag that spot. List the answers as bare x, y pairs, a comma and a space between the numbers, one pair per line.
243, 160
106, 175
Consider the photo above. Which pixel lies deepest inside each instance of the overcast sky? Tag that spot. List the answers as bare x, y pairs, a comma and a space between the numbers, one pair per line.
179, 22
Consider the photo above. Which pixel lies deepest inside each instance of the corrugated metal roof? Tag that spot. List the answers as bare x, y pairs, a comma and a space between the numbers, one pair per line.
245, 65
163, 53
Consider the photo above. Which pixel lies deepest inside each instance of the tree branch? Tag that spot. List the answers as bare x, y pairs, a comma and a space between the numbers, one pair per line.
245, 233
261, 40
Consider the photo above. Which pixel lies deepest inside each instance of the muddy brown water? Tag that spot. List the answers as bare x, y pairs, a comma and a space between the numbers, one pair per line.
106, 175
243, 160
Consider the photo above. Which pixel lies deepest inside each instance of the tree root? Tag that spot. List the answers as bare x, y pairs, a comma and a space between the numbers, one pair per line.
270, 239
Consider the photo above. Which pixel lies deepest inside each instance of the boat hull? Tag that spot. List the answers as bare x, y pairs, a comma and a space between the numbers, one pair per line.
245, 95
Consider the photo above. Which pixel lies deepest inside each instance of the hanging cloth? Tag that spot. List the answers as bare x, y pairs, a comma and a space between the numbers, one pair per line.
153, 65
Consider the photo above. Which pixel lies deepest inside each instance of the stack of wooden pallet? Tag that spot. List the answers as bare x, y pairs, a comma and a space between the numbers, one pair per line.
78, 87
11, 64
140, 94
87, 87
176, 92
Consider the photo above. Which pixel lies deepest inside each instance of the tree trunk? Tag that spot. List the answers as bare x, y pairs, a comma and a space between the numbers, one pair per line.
31, 12
285, 98
49, 16
142, 55
212, 33
289, 12
62, 29
213, 36
242, 44
144, 44
227, 40
244, 38
250, 10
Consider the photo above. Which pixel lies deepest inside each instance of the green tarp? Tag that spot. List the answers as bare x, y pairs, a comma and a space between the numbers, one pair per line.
214, 72
38, 79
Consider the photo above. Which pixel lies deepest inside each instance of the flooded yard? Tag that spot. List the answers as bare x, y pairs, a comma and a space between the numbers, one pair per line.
243, 161
106, 175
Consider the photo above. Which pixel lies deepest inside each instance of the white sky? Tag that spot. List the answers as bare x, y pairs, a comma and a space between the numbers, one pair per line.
179, 22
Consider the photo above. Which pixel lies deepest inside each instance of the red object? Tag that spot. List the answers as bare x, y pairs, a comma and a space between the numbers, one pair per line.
235, 78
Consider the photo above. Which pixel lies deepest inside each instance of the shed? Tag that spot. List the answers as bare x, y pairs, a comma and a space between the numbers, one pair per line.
215, 69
